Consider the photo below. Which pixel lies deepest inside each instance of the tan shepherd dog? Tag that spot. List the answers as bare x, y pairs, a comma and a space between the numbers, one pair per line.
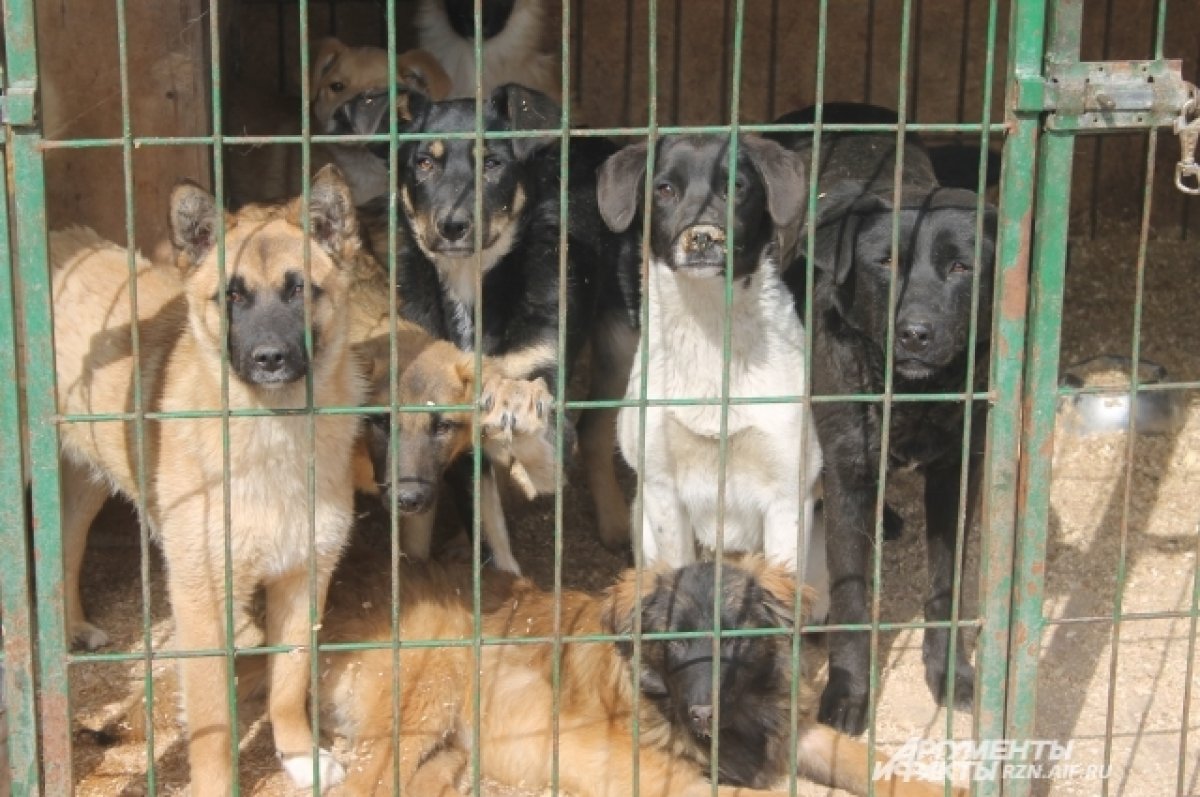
595, 720
179, 324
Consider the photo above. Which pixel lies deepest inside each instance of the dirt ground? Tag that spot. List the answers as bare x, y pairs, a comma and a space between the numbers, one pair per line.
1081, 682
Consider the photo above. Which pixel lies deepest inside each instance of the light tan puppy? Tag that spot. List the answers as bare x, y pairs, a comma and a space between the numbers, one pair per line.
339, 74
269, 505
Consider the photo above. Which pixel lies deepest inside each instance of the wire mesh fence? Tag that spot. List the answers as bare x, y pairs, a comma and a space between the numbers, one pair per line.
1010, 390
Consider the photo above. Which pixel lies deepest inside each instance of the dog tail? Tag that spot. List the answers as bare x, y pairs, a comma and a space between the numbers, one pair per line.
75, 241
834, 759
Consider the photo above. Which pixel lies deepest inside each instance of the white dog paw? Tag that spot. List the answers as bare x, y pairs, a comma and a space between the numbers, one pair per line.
300, 770
87, 636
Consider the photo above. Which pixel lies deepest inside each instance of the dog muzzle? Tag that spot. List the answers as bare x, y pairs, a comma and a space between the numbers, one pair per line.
700, 251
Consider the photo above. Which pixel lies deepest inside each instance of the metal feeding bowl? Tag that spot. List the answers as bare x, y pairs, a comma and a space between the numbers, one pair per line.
1156, 411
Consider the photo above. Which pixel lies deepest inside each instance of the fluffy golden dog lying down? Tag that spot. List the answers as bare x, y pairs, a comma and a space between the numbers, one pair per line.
596, 712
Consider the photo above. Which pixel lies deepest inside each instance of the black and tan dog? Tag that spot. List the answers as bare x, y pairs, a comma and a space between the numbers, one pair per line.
593, 735
437, 264
179, 322
933, 270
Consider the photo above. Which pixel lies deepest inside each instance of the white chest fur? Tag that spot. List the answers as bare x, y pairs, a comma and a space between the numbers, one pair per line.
767, 504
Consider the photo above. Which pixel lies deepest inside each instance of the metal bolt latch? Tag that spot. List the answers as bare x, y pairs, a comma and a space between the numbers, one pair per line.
1187, 127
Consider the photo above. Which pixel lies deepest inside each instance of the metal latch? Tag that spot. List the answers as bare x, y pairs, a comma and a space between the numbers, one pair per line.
1115, 95
1097, 96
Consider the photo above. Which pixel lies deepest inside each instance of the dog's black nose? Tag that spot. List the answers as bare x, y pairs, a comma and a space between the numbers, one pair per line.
701, 717
701, 241
454, 228
413, 496
914, 337
268, 358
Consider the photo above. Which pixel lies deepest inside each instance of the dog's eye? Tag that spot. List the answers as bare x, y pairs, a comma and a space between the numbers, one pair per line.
297, 290
424, 162
337, 87
885, 261
444, 426
739, 187
234, 296
490, 163
665, 191
959, 267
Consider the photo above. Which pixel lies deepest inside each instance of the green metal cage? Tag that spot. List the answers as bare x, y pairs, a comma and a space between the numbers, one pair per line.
1050, 98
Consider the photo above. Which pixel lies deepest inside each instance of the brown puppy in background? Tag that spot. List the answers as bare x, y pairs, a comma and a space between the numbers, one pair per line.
340, 73
596, 712
179, 324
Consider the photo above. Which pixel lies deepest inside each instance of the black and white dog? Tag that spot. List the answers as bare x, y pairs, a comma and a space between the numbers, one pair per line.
770, 476
437, 262
933, 269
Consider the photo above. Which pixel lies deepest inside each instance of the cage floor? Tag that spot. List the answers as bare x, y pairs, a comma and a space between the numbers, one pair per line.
1085, 542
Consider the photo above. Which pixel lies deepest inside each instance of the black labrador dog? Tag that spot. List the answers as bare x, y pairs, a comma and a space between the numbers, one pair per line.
933, 270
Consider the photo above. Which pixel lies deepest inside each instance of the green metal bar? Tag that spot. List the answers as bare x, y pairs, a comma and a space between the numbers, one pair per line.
809, 425
1189, 681
998, 501
560, 390
885, 422
314, 606
45, 737
259, 650
19, 703
726, 362
218, 167
1041, 391
699, 401
393, 388
491, 135
1131, 438
52, 645
476, 430
965, 476
139, 407
643, 364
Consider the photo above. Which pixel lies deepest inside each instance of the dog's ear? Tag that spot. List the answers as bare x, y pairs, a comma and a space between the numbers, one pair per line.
782, 173
526, 109
619, 186
421, 72
194, 221
621, 602
325, 55
367, 114
333, 222
840, 214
